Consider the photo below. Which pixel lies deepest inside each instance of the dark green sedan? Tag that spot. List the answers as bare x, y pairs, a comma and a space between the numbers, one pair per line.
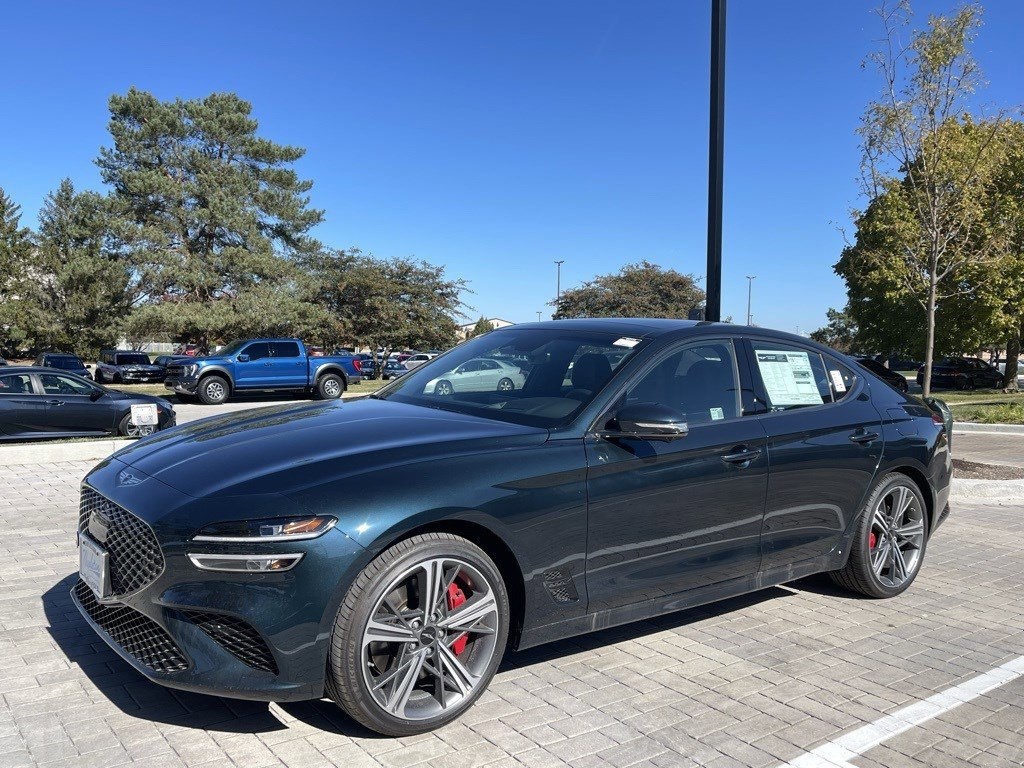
387, 553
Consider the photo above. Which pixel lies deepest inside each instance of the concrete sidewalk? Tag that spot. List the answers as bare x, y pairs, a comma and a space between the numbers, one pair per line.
989, 448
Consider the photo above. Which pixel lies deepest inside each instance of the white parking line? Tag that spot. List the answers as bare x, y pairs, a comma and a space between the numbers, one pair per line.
839, 752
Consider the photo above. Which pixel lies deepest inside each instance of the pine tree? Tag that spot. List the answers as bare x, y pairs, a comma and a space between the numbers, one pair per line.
211, 214
16, 250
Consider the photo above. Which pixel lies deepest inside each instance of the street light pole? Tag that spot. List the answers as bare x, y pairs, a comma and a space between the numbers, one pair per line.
716, 140
538, 315
558, 280
750, 282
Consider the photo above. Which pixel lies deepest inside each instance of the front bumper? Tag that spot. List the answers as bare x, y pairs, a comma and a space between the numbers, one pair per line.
260, 636
183, 385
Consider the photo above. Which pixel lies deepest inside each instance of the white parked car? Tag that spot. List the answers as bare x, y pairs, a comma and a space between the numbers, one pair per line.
1001, 366
480, 374
419, 359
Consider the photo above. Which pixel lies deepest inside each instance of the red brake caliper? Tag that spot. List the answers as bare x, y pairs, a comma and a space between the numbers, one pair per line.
457, 597
872, 540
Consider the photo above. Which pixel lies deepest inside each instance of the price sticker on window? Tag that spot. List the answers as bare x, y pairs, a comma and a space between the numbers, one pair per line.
144, 415
837, 381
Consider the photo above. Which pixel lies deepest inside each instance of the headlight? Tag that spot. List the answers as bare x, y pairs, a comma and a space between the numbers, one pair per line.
274, 529
190, 369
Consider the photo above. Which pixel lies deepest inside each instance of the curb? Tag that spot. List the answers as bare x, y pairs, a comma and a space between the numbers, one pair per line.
1003, 492
50, 453
1002, 429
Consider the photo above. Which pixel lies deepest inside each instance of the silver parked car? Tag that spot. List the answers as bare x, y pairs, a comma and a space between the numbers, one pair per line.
480, 374
419, 359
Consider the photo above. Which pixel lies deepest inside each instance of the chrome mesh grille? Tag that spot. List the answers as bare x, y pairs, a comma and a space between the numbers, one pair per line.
139, 635
237, 637
135, 557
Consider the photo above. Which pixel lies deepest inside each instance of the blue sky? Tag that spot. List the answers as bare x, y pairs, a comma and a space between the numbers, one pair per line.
496, 137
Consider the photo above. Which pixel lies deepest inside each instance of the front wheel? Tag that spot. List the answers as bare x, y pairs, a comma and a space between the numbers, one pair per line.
127, 429
419, 635
213, 390
889, 544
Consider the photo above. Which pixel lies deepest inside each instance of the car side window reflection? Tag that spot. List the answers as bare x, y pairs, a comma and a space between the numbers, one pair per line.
700, 381
63, 385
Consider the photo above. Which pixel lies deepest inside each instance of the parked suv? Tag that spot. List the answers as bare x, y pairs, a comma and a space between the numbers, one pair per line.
262, 364
63, 361
120, 366
963, 373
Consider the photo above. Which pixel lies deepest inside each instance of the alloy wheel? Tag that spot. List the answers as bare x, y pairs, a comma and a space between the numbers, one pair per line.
430, 639
332, 388
443, 388
135, 430
215, 391
505, 385
896, 536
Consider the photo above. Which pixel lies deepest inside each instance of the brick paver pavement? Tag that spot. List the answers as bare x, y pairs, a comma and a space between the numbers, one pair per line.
754, 681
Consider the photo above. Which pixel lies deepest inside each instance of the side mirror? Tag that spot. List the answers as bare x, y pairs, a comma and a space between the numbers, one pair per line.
88, 367
646, 421
96, 394
242, 358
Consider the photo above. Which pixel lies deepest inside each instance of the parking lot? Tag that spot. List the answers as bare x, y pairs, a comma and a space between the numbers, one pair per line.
800, 673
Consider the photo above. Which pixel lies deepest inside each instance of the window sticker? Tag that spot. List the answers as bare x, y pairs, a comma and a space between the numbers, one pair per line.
717, 414
788, 378
626, 341
837, 381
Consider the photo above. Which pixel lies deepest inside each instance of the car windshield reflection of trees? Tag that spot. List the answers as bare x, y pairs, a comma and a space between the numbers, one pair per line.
213, 427
534, 377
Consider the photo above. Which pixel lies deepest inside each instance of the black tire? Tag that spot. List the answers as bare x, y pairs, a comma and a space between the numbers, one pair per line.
213, 390
960, 383
506, 384
330, 386
444, 388
127, 429
858, 575
346, 683
904, 387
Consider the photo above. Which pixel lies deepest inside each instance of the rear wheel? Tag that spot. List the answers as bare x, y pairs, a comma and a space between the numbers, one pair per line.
443, 387
329, 387
889, 545
506, 385
419, 635
213, 390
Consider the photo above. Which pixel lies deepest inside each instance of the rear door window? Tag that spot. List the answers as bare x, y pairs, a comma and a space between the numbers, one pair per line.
285, 349
16, 384
841, 378
792, 377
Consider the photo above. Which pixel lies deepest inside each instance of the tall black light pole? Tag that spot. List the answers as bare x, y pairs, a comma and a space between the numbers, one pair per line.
716, 138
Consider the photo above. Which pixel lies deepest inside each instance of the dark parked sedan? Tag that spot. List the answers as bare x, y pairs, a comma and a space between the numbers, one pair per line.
117, 366
962, 373
226, 556
897, 380
40, 403
62, 361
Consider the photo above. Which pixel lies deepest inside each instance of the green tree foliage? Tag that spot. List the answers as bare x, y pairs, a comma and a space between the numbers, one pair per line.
388, 304
638, 290
483, 325
16, 252
932, 163
840, 332
75, 291
211, 215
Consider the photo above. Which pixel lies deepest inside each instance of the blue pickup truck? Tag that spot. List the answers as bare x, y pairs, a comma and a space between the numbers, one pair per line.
262, 364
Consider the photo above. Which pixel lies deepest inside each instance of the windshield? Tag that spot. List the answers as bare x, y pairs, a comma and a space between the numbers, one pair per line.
132, 358
538, 377
65, 363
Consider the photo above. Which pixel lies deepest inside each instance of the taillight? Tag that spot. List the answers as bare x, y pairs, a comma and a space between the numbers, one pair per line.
358, 365
937, 418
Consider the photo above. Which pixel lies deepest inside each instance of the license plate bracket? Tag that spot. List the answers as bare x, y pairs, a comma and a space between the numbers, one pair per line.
93, 566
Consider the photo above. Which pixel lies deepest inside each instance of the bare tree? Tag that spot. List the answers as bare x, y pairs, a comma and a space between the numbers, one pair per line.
920, 143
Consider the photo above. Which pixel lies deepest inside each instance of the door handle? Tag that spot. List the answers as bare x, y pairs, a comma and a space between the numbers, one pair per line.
741, 455
863, 437
55, 402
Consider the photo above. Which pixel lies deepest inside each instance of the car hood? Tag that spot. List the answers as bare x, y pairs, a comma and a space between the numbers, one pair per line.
264, 450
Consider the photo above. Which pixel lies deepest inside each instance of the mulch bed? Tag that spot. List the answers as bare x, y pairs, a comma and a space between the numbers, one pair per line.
973, 470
